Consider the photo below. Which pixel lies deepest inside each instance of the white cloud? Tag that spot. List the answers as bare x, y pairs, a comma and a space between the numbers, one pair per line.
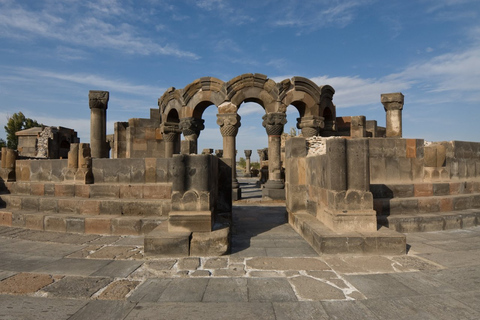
86, 30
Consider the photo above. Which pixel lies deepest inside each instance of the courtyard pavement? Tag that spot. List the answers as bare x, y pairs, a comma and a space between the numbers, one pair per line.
271, 273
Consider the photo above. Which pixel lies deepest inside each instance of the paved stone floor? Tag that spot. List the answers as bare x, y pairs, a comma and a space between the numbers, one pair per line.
271, 274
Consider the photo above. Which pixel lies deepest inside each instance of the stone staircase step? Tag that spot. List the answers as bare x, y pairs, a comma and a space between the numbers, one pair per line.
424, 189
431, 222
431, 204
148, 191
326, 241
75, 223
88, 206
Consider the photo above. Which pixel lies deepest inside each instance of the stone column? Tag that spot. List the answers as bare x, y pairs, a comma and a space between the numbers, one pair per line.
393, 104
358, 127
98, 101
310, 125
248, 154
191, 128
170, 132
273, 123
229, 124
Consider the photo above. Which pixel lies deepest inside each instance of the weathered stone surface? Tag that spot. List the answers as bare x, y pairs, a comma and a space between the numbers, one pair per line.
118, 290
77, 287
23, 283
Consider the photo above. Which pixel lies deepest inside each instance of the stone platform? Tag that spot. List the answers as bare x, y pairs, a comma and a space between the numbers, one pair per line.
272, 273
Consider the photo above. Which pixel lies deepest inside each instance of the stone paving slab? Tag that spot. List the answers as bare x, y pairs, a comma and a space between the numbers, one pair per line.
105, 310
226, 290
6, 274
23, 263
380, 285
270, 289
25, 283
299, 310
76, 287
33, 308
348, 310
117, 268
202, 311
74, 267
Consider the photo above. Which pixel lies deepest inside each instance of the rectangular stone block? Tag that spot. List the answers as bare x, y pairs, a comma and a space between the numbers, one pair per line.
157, 191
75, 224
34, 221
446, 204
150, 170
131, 191
411, 151
89, 207
37, 189
82, 190
67, 205
47, 204
64, 190
428, 205
55, 223
5, 218
30, 203
126, 226
49, 189
378, 170
104, 191
441, 189
98, 225
423, 190
190, 221
167, 244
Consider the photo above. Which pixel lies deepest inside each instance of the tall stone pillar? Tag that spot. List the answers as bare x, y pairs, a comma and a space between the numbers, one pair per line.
310, 125
358, 127
229, 124
98, 101
393, 104
273, 123
248, 154
191, 128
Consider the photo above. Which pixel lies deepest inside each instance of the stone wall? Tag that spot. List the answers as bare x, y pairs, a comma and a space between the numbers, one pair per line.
139, 138
333, 187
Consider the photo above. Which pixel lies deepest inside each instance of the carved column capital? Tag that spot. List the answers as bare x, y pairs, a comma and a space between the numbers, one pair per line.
98, 99
191, 126
392, 101
229, 124
248, 153
310, 125
170, 131
274, 122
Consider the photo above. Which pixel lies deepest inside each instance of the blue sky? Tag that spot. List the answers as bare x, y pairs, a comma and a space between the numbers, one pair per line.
53, 52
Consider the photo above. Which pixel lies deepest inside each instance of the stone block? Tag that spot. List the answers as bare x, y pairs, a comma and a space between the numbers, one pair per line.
403, 206
161, 243
274, 194
403, 190
143, 208
215, 243
104, 191
47, 204
150, 170
457, 188
446, 204
110, 207
295, 147
190, 221
462, 202
441, 189
400, 148
423, 190
126, 226
405, 168
98, 225
411, 148
378, 170
64, 190
55, 223
37, 189
452, 222
67, 205
429, 204
30, 203
5, 218
75, 224
89, 207
82, 190
157, 191
34, 221
49, 189
149, 224
392, 169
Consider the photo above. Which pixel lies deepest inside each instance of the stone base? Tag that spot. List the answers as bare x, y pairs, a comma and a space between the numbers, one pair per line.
273, 194
190, 221
215, 243
326, 241
350, 220
161, 243
236, 194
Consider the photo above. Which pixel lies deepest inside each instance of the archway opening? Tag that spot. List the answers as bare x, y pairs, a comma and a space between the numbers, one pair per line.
210, 137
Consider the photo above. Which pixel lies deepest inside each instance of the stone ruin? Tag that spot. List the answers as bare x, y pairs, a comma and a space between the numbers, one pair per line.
46, 142
349, 185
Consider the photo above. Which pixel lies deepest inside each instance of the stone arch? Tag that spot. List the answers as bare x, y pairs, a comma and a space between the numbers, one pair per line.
303, 94
327, 107
201, 94
253, 88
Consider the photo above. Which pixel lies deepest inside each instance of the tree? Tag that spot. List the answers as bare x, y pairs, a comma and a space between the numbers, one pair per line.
2, 143
15, 123
242, 162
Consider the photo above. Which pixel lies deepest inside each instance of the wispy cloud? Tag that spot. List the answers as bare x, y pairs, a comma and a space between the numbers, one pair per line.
87, 30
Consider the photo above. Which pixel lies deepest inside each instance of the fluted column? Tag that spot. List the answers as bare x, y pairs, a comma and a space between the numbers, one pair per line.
310, 125
229, 124
273, 123
393, 104
191, 128
98, 102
